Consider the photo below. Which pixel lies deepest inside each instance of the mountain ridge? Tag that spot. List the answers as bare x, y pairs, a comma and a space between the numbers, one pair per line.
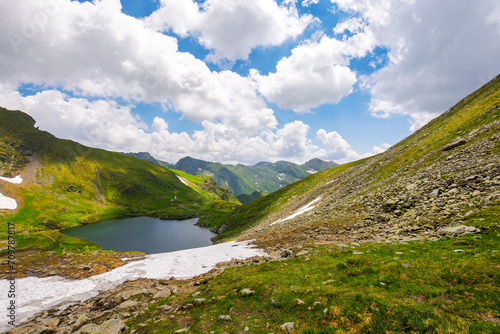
262, 177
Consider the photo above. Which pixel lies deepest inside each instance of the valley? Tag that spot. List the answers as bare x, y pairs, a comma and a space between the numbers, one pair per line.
403, 241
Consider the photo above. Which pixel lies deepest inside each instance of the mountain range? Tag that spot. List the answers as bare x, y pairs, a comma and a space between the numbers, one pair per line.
247, 183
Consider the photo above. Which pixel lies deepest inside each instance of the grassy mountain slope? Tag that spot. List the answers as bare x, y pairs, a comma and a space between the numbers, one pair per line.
206, 186
435, 177
263, 177
248, 198
67, 184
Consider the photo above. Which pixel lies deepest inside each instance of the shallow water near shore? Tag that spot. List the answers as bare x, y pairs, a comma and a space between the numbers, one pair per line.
144, 234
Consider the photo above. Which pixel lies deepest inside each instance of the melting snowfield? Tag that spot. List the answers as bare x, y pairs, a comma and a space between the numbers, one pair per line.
300, 211
35, 295
7, 202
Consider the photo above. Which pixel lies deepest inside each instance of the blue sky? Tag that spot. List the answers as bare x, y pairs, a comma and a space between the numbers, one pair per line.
240, 81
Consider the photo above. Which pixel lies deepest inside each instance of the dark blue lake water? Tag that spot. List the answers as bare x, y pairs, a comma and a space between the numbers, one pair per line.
144, 234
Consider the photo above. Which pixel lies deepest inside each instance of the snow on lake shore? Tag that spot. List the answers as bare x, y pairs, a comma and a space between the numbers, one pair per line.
7, 202
35, 295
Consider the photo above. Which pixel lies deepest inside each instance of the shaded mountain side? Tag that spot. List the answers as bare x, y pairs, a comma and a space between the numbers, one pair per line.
263, 177
433, 179
66, 184
246, 198
148, 157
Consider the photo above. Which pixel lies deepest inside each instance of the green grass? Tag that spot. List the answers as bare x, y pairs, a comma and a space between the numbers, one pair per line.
206, 186
426, 288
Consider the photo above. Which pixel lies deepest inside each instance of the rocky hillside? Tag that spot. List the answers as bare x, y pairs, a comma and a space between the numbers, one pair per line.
263, 177
421, 188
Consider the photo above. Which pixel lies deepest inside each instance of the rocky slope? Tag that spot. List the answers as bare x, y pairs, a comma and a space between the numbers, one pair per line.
416, 190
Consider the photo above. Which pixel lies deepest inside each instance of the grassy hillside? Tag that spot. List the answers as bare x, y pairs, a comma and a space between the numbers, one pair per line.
437, 176
248, 198
67, 184
206, 186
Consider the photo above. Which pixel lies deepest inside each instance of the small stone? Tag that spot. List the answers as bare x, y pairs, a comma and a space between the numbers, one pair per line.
199, 300
224, 317
113, 326
187, 306
196, 294
182, 330
458, 250
163, 294
50, 322
435, 192
82, 320
357, 253
130, 293
165, 308
288, 326
128, 304
382, 283
89, 328
247, 292
407, 265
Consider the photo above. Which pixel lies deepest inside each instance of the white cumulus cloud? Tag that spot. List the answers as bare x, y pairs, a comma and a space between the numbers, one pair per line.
230, 28
438, 51
94, 50
339, 150
316, 73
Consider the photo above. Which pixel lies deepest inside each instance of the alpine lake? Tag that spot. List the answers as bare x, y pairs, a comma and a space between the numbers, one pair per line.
144, 234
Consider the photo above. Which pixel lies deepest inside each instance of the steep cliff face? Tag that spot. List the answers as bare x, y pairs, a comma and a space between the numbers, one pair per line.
435, 178
15, 149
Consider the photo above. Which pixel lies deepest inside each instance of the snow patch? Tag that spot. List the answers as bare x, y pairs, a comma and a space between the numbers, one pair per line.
7, 202
36, 295
312, 171
186, 182
15, 180
302, 210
